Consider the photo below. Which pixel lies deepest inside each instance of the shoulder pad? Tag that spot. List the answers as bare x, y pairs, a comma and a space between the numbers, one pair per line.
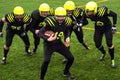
35, 14
26, 18
68, 21
52, 11
78, 12
102, 11
10, 17
50, 21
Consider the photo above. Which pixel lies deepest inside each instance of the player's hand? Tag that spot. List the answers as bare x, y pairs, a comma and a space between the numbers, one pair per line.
52, 38
114, 29
1, 34
67, 42
67, 39
77, 25
37, 32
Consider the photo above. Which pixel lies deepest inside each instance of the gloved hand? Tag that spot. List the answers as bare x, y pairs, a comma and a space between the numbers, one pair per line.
67, 42
77, 25
113, 29
1, 34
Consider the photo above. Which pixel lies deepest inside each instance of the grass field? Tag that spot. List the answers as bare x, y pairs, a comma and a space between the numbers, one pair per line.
86, 65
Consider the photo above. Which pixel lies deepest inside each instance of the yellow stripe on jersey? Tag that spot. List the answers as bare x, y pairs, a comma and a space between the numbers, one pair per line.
51, 11
81, 14
53, 18
76, 13
10, 18
26, 18
101, 12
108, 12
68, 21
50, 22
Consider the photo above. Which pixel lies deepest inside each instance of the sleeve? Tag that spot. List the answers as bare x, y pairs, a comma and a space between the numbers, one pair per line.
9, 18
31, 26
27, 19
41, 33
83, 20
35, 21
79, 14
2, 21
1, 25
68, 22
52, 12
67, 32
114, 15
104, 11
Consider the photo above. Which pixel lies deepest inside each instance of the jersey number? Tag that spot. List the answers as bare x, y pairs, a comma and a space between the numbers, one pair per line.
42, 24
59, 34
16, 28
99, 23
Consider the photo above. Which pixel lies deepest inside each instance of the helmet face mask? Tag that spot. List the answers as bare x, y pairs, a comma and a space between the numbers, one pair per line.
18, 12
91, 8
69, 6
60, 14
44, 9
90, 12
44, 13
60, 19
19, 17
69, 12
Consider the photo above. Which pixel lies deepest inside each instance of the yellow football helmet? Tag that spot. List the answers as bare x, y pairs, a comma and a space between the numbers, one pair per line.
44, 7
18, 10
60, 11
91, 6
69, 5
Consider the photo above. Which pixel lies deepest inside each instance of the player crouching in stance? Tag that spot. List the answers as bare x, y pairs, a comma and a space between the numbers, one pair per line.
15, 25
103, 26
59, 24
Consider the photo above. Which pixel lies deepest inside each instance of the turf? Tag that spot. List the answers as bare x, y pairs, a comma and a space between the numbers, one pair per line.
86, 65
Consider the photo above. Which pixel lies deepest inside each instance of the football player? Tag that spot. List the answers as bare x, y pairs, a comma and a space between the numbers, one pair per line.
103, 26
38, 17
59, 24
76, 14
15, 25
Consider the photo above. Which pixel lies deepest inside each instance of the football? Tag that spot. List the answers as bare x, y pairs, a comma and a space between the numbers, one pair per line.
48, 33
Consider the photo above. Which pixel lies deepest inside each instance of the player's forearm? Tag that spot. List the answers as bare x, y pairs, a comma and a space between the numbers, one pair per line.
1, 25
41, 33
114, 15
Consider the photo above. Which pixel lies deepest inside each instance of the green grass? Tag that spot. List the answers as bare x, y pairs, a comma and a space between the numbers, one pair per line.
86, 65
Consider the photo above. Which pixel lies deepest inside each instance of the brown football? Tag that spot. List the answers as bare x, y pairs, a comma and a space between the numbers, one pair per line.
48, 33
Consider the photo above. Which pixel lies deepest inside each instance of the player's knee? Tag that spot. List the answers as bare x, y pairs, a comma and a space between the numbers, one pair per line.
81, 40
27, 45
71, 58
46, 61
36, 42
111, 46
6, 47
